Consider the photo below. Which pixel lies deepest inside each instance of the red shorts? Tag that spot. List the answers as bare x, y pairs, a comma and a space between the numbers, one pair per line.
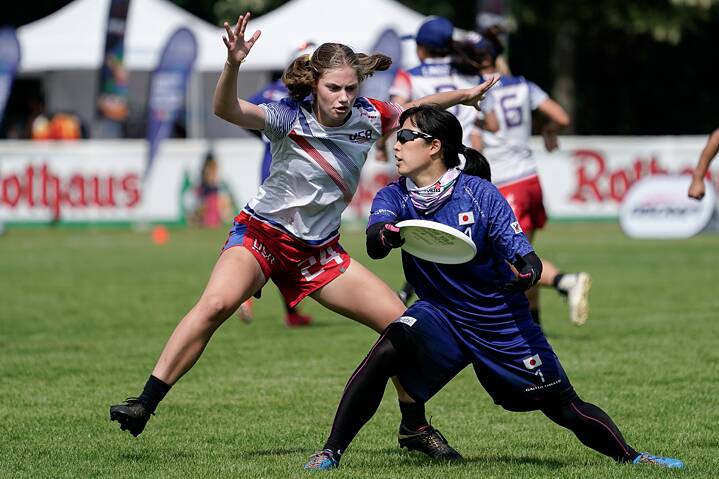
297, 268
525, 198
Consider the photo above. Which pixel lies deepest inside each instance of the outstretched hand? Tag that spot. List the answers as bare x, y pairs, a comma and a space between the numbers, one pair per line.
476, 94
237, 47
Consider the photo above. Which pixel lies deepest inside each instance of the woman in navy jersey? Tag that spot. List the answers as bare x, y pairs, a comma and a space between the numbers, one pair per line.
473, 313
289, 232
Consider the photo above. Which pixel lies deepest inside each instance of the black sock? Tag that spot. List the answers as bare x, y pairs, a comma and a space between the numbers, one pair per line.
155, 389
594, 428
288, 309
535, 315
555, 282
413, 415
362, 395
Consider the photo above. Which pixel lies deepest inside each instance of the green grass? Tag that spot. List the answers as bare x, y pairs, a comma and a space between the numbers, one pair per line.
84, 314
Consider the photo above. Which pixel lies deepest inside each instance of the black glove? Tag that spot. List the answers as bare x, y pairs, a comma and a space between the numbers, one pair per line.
529, 270
390, 236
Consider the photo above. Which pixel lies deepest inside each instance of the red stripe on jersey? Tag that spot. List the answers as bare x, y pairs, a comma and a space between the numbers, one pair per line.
324, 164
389, 112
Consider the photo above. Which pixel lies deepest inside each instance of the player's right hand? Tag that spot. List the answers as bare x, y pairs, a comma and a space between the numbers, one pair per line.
696, 189
390, 236
237, 47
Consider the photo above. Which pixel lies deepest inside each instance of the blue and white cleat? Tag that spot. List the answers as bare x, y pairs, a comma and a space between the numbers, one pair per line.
323, 460
668, 462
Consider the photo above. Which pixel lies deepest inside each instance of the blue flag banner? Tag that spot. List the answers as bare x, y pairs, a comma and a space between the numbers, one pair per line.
9, 61
377, 86
112, 92
168, 88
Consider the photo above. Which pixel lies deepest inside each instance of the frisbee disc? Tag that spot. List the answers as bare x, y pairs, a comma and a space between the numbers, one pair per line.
436, 242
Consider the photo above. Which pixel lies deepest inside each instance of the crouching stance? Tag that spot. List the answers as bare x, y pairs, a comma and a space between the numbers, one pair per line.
475, 313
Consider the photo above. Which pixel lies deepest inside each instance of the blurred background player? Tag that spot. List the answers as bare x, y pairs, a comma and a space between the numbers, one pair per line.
514, 169
441, 69
273, 93
697, 189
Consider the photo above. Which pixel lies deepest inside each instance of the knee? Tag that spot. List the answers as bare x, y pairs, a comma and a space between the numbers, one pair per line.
215, 307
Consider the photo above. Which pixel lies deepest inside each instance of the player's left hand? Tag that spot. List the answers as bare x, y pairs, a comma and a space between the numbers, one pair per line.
527, 276
476, 94
390, 236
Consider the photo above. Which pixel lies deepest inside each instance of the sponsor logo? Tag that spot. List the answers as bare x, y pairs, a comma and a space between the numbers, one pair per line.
658, 207
532, 362
408, 320
516, 227
38, 187
361, 136
466, 218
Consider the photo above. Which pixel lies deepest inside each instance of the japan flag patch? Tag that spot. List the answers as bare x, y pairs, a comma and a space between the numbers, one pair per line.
466, 218
516, 228
532, 362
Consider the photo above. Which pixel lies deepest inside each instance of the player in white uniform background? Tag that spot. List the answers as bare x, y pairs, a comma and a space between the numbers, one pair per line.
514, 168
289, 232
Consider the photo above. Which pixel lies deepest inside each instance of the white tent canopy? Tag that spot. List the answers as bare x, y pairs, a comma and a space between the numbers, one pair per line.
354, 23
73, 38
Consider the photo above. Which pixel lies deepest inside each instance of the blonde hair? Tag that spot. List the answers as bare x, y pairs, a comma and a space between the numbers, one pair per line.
304, 72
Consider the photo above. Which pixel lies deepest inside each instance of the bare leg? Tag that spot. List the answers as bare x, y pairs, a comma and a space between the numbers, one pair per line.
236, 276
371, 303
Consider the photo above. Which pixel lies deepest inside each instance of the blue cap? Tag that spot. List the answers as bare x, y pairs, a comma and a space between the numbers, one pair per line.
435, 32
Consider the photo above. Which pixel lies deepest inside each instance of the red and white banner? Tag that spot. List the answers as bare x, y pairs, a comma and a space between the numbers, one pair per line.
100, 181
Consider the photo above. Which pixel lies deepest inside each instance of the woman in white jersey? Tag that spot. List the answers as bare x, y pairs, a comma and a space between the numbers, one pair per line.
289, 231
514, 168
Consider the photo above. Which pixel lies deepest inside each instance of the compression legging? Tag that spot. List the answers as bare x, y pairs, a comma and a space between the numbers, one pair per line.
363, 395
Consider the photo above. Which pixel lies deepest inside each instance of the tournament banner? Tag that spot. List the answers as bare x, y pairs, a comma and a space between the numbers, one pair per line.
112, 92
168, 88
377, 86
9, 61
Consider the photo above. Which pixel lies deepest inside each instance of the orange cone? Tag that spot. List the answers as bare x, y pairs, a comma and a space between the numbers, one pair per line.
160, 235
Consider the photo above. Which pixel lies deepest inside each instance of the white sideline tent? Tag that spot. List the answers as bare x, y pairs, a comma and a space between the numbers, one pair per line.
65, 49
354, 23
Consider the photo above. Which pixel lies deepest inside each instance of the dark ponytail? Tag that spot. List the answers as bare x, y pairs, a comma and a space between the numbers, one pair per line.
476, 164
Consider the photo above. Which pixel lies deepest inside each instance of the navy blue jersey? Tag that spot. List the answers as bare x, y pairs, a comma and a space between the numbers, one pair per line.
468, 292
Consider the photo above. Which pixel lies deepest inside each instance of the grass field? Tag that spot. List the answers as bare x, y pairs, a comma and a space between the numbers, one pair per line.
84, 314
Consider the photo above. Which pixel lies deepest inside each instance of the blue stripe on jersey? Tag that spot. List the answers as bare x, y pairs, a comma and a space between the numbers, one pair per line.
279, 118
431, 69
510, 80
304, 123
278, 226
343, 158
363, 103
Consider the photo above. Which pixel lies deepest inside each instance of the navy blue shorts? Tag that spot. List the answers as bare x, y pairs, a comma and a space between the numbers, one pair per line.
512, 360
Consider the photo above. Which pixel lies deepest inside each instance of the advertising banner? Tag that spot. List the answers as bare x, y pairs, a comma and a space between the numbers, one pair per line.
588, 177
168, 88
9, 61
112, 91
102, 181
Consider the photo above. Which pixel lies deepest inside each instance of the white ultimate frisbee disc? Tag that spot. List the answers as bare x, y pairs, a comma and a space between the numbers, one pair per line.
436, 242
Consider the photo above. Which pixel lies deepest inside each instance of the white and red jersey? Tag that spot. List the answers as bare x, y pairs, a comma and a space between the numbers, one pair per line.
315, 168
507, 150
435, 75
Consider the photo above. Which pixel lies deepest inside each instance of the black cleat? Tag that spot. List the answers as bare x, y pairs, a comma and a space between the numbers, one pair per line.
428, 441
132, 415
